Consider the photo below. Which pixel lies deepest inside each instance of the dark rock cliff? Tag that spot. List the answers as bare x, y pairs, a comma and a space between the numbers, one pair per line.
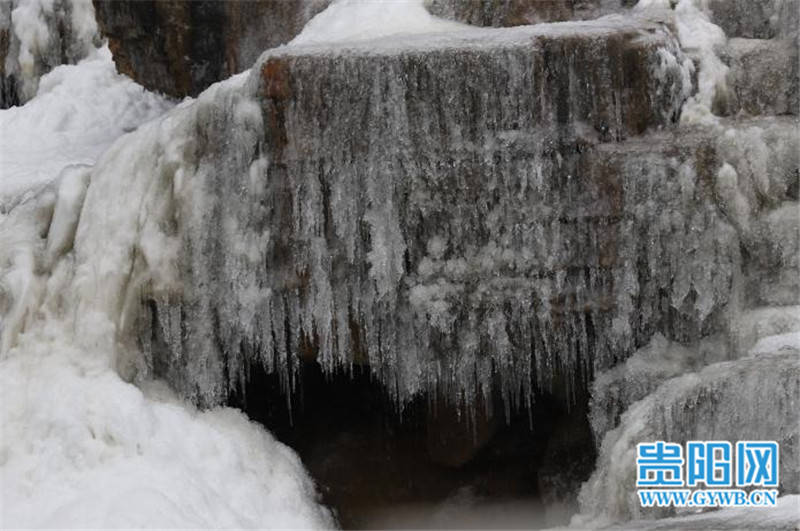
180, 48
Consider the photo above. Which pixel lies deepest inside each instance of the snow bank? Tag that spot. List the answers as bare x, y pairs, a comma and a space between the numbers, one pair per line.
355, 20
81, 446
79, 110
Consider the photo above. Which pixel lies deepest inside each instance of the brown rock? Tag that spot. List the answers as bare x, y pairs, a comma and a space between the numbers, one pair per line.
180, 47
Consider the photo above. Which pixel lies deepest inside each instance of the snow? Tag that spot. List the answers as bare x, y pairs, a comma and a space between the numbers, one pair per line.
786, 516
82, 447
776, 344
78, 111
357, 20
699, 37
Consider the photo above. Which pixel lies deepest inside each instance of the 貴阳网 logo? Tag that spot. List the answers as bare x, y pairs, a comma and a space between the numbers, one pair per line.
707, 474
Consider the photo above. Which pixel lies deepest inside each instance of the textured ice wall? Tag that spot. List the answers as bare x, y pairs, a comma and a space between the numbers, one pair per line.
38, 35
724, 402
434, 208
616, 389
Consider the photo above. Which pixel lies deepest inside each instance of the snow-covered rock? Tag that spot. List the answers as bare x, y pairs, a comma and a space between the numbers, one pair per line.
754, 398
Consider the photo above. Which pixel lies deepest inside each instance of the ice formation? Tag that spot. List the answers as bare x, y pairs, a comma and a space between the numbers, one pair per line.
459, 210
370, 248
726, 401
81, 447
38, 36
742, 380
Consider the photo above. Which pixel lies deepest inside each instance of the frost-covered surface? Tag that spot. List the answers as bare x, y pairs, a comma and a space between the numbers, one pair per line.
379, 224
753, 331
81, 447
614, 390
38, 36
701, 37
79, 110
784, 517
753, 398
766, 19
763, 76
383, 202
736, 75
355, 20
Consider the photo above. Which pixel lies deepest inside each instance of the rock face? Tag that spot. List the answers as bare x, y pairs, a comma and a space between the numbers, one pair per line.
444, 231
35, 37
180, 48
744, 381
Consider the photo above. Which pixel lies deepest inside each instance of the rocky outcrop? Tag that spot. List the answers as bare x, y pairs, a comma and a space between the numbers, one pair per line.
180, 48
423, 222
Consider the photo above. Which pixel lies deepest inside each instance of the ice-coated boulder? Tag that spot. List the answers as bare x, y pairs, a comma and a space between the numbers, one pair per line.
437, 208
756, 19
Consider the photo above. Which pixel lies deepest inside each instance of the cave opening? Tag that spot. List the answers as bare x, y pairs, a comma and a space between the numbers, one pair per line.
429, 464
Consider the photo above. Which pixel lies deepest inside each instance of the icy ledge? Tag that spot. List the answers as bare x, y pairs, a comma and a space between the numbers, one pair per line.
756, 397
388, 212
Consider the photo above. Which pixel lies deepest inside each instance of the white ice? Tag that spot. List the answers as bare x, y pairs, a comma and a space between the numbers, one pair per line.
699, 37
78, 111
80, 446
356, 20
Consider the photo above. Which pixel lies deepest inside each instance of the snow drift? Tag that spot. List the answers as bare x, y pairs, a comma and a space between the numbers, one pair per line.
81, 447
